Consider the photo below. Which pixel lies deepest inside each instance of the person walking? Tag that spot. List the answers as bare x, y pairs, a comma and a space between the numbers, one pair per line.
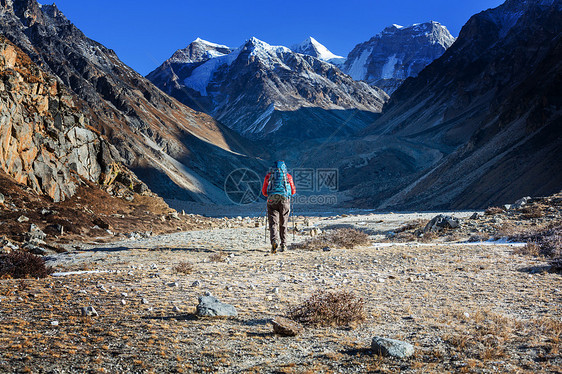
278, 187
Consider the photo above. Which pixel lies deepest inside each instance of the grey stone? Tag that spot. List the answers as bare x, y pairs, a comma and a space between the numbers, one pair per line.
521, 202
22, 219
391, 347
196, 284
441, 222
475, 216
212, 307
88, 311
286, 327
2, 198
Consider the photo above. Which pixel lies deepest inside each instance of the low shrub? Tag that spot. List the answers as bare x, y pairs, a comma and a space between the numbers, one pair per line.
493, 210
19, 264
530, 249
548, 240
339, 238
330, 309
184, 267
529, 212
218, 257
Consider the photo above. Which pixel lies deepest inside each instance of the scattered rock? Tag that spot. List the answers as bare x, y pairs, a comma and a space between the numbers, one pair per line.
391, 347
475, 216
326, 249
173, 284
212, 307
88, 311
175, 309
286, 327
22, 219
521, 202
144, 301
54, 323
2, 198
196, 284
441, 222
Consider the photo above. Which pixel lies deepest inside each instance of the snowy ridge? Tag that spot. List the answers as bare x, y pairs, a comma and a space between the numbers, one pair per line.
313, 48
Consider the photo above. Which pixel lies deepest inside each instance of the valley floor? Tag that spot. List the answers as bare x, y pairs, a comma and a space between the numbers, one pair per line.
466, 307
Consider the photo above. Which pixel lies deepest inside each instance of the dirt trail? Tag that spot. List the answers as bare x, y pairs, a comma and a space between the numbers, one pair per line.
475, 308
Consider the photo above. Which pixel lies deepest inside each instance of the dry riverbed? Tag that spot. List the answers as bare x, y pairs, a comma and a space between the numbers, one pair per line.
466, 307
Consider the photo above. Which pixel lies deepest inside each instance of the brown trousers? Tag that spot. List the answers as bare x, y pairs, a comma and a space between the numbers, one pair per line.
278, 210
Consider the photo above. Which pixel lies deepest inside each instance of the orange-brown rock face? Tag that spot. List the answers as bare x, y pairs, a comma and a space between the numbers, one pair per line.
44, 141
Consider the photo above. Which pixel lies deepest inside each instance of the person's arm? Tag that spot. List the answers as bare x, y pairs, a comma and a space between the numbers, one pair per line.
265, 183
290, 178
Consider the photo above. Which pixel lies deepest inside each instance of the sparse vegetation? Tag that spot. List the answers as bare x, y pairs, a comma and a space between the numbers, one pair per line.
19, 264
184, 267
339, 238
549, 240
218, 257
493, 210
532, 211
330, 309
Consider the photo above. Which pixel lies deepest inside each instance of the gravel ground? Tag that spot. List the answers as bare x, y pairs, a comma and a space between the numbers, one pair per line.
465, 307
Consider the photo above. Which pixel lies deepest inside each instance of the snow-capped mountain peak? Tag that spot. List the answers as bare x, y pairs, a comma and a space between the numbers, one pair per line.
197, 51
258, 46
396, 53
314, 48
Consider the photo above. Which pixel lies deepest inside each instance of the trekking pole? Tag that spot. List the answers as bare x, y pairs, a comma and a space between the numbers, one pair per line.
265, 226
294, 222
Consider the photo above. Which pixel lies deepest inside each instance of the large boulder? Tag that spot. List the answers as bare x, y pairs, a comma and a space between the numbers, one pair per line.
391, 347
210, 306
441, 222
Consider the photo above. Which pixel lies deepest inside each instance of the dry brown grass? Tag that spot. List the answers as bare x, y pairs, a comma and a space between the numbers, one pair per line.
532, 211
493, 210
530, 249
19, 264
339, 238
549, 240
330, 309
218, 257
413, 225
184, 267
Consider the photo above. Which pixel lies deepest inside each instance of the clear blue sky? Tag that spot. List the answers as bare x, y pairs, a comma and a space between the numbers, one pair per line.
145, 33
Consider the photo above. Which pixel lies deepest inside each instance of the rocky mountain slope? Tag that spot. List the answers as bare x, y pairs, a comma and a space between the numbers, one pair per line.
46, 142
397, 53
479, 126
169, 145
260, 90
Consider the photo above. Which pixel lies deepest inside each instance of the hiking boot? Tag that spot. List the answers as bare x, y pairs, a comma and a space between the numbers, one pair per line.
283, 248
274, 246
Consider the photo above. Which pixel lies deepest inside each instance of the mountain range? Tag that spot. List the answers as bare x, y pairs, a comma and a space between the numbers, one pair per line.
259, 90
470, 122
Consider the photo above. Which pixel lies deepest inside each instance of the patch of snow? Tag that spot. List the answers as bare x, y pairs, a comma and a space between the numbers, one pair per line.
260, 123
65, 273
358, 68
214, 45
202, 75
388, 68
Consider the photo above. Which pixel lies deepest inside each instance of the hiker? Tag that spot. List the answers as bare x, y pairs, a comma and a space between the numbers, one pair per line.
278, 187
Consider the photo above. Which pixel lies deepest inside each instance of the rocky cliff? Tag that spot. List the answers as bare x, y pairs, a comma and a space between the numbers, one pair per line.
397, 53
169, 145
46, 143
